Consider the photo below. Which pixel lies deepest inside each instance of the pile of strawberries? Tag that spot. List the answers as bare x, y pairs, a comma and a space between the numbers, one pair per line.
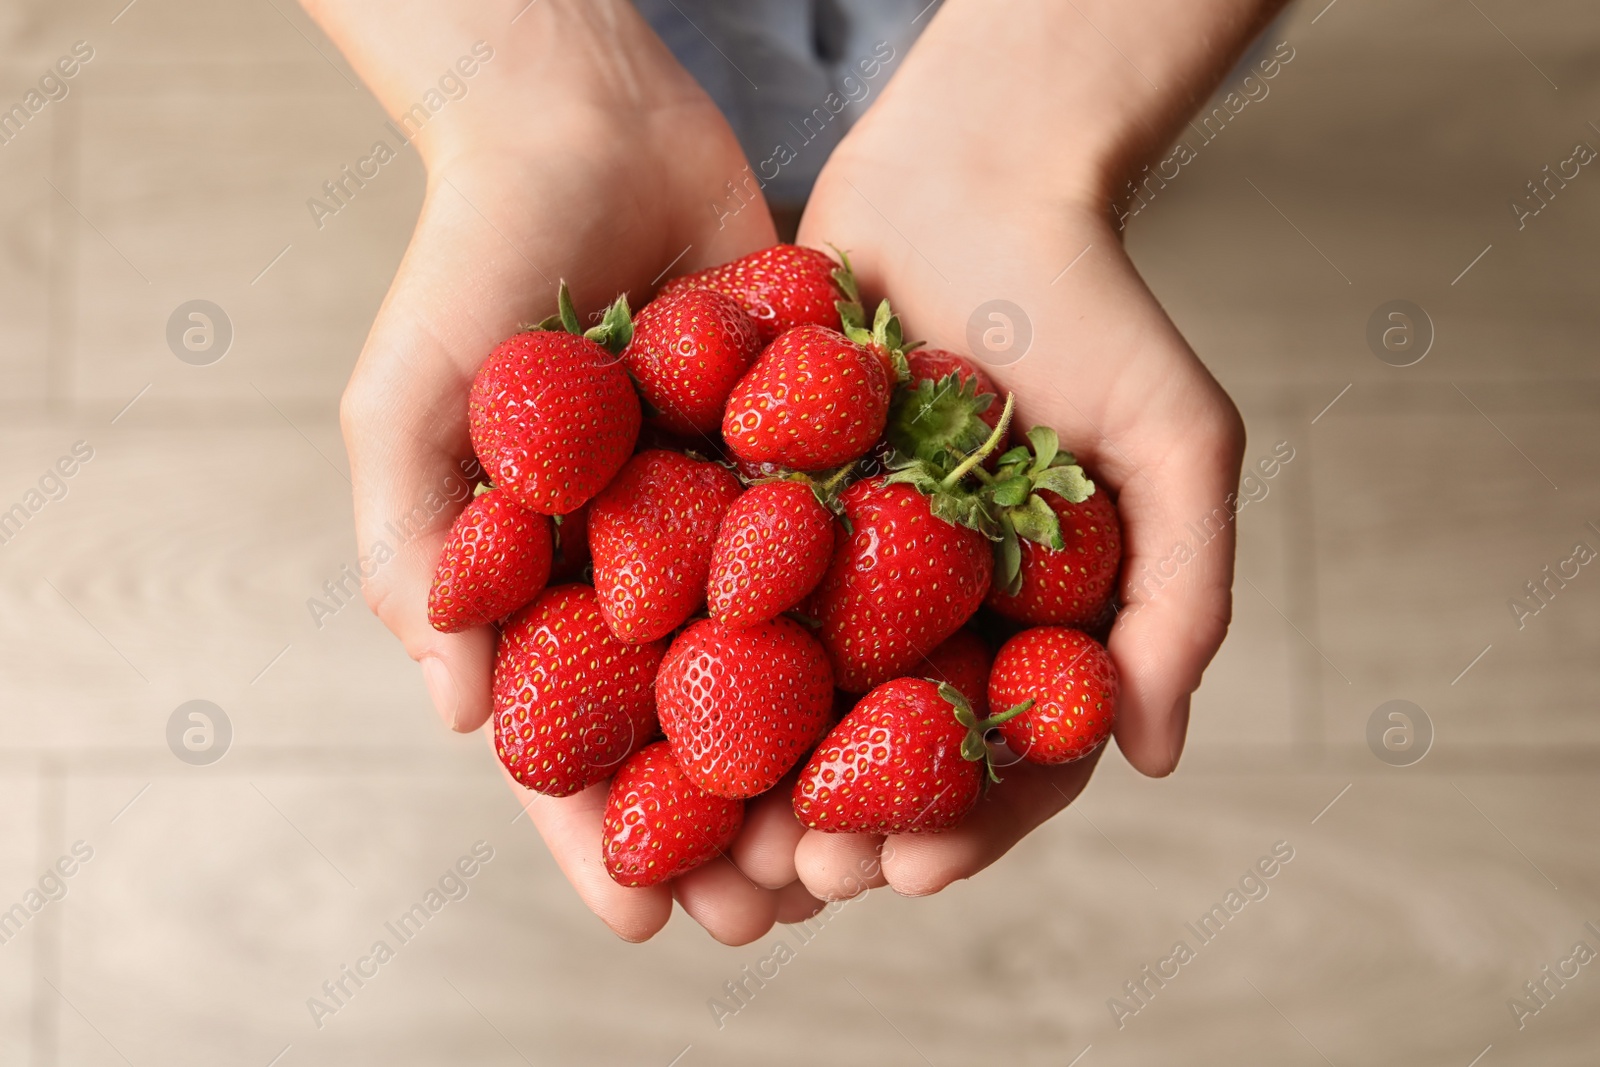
755, 524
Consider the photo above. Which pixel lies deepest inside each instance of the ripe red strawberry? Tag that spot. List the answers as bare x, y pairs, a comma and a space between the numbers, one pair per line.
779, 287
571, 702
1062, 546
772, 549
813, 400
741, 707
1073, 685
659, 824
962, 661
651, 533
688, 350
496, 560
903, 581
909, 758
552, 414
571, 552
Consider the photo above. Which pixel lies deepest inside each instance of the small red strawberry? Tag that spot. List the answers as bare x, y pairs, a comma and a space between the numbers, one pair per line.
552, 413
903, 581
910, 757
659, 824
963, 661
571, 702
779, 287
772, 549
571, 552
688, 350
496, 560
1073, 686
1057, 562
651, 533
813, 400
741, 707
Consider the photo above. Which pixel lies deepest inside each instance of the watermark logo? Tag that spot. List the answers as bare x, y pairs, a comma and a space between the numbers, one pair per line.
999, 333
1400, 333
199, 732
1399, 733
199, 332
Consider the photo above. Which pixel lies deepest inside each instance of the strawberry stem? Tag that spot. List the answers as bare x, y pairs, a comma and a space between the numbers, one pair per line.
982, 451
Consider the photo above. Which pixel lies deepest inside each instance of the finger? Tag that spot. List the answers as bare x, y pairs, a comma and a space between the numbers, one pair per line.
765, 847
838, 866
571, 828
916, 865
796, 904
720, 898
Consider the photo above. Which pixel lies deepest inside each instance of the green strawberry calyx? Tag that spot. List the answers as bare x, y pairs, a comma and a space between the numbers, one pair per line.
1013, 493
613, 332
973, 746
938, 421
952, 496
885, 335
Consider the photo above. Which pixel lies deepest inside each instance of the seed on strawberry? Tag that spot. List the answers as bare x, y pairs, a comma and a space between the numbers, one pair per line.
741, 707
688, 350
813, 400
659, 824
1057, 561
552, 413
1073, 686
779, 287
771, 551
962, 661
496, 560
651, 533
571, 702
909, 758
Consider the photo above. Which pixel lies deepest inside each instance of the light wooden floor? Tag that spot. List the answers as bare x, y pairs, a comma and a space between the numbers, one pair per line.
218, 899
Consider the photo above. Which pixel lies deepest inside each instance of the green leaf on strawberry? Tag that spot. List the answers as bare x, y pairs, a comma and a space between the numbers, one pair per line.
613, 333
1013, 493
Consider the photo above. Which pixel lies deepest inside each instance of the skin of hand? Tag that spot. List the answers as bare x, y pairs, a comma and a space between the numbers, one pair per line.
957, 189
581, 150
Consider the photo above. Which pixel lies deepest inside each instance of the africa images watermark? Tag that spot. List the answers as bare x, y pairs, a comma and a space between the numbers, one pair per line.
53, 87
1252, 887
855, 91
1252, 489
452, 886
1137, 194
344, 588
1542, 590
51, 486
343, 187
51, 887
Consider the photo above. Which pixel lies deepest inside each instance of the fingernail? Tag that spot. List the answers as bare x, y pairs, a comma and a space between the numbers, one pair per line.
442, 688
1178, 725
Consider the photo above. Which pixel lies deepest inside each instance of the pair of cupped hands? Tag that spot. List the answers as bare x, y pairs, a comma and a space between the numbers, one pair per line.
584, 152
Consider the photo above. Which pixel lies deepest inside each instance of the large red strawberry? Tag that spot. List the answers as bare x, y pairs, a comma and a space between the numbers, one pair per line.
903, 581
496, 560
779, 287
813, 400
741, 707
909, 757
571, 702
772, 549
659, 824
552, 414
963, 661
688, 350
651, 532
1062, 544
1073, 686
